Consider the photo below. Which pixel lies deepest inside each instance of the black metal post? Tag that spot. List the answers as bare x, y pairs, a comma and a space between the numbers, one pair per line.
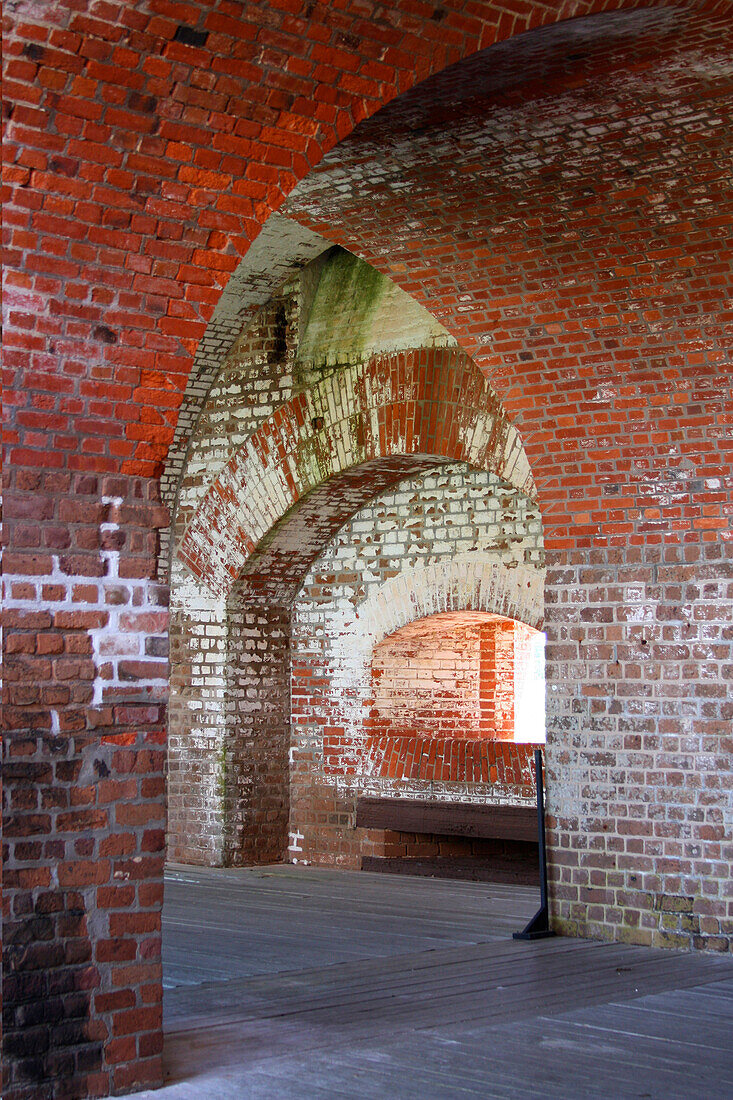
539, 926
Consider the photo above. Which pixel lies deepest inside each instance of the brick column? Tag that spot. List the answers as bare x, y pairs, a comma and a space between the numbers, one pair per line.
84, 719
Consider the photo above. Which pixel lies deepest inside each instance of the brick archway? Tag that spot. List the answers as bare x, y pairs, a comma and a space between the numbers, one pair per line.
448, 704
332, 687
254, 535
432, 404
143, 156
473, 582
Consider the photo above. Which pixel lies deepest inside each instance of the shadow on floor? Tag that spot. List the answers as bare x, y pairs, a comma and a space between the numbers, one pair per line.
289, 982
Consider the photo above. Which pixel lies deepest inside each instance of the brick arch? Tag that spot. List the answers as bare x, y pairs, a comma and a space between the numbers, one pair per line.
444, 700
471, 582
479, 555
476, 583
429, 404
301, 128
579, 338
198, 150
140, 169
269, 246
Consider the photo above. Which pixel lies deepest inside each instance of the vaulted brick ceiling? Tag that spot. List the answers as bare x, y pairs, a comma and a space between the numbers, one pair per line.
559, 202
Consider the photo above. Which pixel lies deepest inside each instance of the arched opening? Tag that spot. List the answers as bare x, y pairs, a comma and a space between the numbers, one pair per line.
342, 390
456, 712
448, 544
560, 206
271, 531
524, 280
448, 688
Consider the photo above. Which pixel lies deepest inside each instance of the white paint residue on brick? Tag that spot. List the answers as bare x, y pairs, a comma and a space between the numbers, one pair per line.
128, 625
117, 639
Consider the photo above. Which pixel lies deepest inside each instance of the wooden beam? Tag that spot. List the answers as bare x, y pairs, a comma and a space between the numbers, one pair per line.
407, 815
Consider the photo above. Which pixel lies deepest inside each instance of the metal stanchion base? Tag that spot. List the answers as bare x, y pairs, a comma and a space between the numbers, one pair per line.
537, 929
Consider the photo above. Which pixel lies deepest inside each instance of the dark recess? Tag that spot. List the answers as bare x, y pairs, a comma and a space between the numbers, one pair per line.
189, 37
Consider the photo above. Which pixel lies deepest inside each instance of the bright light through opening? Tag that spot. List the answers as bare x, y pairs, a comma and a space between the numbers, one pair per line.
529, 691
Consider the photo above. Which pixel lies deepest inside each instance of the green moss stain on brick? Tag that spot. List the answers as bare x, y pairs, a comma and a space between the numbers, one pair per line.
351, 310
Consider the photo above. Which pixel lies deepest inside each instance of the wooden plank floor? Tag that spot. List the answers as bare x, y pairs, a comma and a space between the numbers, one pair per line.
307, 983
224, 924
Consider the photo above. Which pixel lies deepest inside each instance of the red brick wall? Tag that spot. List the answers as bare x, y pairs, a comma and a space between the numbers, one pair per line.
426, 682
85, 674
497, 677
142, 155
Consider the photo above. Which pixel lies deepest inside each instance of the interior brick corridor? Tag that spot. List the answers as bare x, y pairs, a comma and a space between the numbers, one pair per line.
328, 328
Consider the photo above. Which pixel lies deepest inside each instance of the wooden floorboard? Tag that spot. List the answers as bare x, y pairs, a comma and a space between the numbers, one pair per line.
441, 985
247, 922
423, 996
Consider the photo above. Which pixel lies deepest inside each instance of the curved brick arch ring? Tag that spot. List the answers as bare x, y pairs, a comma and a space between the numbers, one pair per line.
469, 583
269, 246
429, 402
473, 582
281, 248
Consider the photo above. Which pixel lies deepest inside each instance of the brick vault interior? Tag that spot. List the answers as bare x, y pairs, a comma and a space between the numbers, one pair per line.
388, 515
350, 327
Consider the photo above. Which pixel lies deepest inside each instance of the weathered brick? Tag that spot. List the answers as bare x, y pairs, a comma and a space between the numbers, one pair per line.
560, 210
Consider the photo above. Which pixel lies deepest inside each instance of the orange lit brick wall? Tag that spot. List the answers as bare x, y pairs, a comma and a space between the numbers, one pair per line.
452, 677
497, 677
426, 682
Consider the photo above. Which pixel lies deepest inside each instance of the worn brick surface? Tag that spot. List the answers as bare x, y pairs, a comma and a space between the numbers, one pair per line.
563, 209
300, 431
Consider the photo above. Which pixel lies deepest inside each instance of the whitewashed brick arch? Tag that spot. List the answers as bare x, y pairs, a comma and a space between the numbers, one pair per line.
281, 248
432, 402
476, 582
469, 582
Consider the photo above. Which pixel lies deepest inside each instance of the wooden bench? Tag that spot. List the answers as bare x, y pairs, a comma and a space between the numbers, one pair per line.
467, 819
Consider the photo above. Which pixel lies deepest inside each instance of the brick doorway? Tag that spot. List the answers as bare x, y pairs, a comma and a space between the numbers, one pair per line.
448, 687
389, 485
444, 712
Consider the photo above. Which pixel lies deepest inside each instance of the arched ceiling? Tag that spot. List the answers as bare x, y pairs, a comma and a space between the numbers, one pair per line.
559, 202
523, 182
562, 203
